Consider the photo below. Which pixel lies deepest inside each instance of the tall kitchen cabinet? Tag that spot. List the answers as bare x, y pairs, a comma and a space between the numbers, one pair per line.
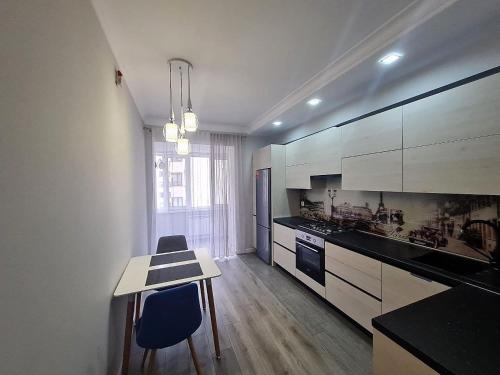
372, 156
315, 155
451, 140
282, 203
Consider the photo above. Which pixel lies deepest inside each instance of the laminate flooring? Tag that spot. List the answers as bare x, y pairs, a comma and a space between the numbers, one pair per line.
269, 323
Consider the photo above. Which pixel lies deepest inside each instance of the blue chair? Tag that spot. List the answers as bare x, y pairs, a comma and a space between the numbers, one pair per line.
169, 317
167, 244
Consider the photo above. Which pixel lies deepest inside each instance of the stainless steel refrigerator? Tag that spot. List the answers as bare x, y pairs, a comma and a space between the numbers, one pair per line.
263, 214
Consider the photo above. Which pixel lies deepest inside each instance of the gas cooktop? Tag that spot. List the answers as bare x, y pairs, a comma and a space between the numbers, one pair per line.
323, 228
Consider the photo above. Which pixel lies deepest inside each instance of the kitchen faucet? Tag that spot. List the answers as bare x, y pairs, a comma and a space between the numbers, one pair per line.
494, 257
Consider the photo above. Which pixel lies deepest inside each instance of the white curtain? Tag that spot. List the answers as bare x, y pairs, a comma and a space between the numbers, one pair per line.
198, 195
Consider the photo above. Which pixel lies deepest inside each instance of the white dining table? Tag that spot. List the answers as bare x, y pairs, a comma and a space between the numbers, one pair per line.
135, 280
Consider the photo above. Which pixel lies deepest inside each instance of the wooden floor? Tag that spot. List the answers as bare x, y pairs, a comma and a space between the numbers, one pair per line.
268, 324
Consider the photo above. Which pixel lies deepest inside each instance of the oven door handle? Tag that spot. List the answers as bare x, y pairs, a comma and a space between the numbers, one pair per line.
307, 247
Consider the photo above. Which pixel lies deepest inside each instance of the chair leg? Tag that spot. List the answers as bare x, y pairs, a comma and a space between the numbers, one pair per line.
193, 354
202, 290
152, 358
145, 355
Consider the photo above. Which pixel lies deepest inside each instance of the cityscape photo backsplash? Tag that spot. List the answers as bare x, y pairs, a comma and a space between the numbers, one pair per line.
433, 220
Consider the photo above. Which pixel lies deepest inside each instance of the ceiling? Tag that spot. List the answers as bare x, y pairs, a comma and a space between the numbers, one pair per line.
256, 60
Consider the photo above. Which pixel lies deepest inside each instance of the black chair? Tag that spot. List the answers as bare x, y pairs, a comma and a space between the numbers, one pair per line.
167, 244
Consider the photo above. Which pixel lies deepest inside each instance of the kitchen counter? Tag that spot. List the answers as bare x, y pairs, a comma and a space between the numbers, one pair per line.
454, 332
291, 222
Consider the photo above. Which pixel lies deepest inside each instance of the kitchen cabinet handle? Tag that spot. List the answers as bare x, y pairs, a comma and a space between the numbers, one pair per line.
421, 277
310, 248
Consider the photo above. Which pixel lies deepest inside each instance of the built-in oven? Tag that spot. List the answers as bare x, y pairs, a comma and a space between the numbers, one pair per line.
310, 255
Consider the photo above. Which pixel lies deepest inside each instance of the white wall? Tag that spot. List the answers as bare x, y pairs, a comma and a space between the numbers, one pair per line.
472, 59
72, 191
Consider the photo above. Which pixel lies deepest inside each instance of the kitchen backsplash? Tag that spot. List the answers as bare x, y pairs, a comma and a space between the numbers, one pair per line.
432, 220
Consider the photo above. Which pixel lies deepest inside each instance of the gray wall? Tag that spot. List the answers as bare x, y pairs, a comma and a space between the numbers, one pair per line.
72, 190
476, 57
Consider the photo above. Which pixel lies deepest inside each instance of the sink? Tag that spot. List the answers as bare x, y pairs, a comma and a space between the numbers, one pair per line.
451, 263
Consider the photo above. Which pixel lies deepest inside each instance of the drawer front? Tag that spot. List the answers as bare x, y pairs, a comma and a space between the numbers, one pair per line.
401, 288
358, 305
284, 258
359, 270
284, 236
317, 287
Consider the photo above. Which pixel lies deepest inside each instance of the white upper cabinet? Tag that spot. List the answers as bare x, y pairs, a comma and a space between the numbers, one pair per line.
296, 151
470, 166
262, 158
324, 152
381, 132
298, 176
374, 172
467, 111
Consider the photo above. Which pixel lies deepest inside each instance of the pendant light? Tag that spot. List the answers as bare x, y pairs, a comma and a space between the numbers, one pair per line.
170, 129
189, 117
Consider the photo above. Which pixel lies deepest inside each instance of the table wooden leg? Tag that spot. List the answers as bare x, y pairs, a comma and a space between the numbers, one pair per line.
128, 334
213, 318
137, 306
202, 290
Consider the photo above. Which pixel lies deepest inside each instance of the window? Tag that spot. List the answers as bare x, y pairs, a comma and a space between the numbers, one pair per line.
176, 179
182, 181
177, 202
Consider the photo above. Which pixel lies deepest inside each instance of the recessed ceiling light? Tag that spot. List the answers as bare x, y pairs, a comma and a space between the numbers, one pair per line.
314, 102
390, 58
277, 123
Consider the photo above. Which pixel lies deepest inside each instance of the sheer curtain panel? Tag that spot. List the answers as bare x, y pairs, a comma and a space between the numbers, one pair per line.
199, 195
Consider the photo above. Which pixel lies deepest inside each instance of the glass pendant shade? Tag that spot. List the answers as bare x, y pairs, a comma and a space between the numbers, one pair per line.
190, 121
183, 146
170, 131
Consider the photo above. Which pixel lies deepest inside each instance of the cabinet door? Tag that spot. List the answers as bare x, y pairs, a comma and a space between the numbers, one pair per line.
297, 177
374, 172
467, 111
390, 358
358, 305
324, 152
381, 132
296, 151
285, 258
262, 158
284, 236
357, 269
400, 288
462, 167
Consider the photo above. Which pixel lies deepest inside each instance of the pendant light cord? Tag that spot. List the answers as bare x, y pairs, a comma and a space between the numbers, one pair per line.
189, 90
171, 106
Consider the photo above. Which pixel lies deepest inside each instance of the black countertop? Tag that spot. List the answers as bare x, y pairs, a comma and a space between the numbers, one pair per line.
454, 332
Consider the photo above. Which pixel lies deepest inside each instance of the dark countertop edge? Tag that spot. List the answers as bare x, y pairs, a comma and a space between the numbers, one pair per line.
424, 358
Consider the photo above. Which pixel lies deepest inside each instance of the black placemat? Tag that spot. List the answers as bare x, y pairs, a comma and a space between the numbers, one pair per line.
163, 275
172, 258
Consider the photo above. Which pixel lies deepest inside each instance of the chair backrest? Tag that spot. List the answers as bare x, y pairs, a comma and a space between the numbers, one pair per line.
171, 243
169, 317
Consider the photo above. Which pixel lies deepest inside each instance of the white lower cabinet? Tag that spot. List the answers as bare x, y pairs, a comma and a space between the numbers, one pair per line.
298, 176
401, 288
284, 236
390, 358
317, 287
285, 258
358, 305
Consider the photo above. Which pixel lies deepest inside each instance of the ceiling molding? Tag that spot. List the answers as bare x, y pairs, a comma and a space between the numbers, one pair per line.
414, 15
219, 128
